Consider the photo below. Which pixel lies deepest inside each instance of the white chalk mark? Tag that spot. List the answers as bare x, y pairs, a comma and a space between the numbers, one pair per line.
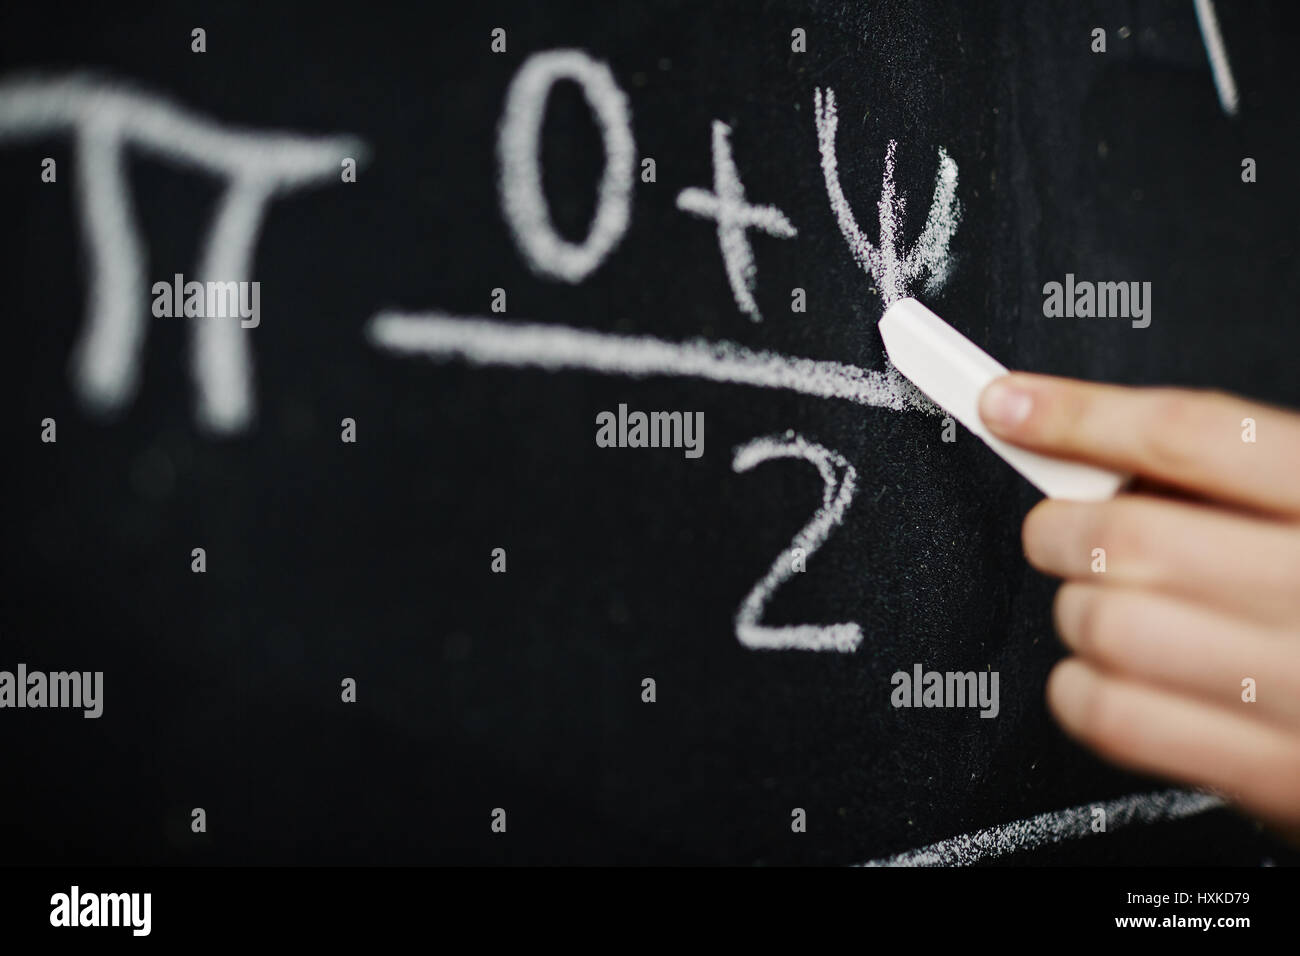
734, 215
839, 482
105, 117
106, 359
220, 349
519, 152
892, 269
1218, 55
482, 341
1048, 828
930, 252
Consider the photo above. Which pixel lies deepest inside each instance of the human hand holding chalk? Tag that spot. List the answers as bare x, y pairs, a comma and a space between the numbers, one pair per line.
1188, 636
1193, 603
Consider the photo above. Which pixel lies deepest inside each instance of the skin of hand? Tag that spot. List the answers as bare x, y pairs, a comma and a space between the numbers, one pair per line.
1186, 648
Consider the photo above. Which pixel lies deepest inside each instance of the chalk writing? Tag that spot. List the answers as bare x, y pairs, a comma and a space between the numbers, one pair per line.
104, 118
518, 147
839, 482
727, 205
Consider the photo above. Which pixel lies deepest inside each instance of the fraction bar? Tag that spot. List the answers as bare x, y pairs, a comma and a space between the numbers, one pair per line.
488, 342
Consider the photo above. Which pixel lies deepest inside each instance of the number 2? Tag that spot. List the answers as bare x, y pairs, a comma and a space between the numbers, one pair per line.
840, 481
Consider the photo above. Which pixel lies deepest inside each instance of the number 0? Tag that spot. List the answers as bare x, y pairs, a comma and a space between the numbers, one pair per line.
519, 151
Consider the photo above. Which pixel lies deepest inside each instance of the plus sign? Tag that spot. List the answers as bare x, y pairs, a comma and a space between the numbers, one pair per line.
727, 205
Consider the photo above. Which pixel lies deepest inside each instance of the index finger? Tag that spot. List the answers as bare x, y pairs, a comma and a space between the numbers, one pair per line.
1208, 442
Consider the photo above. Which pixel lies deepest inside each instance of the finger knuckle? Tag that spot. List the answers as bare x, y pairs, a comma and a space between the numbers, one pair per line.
1065, 420
1273, 784
1291, 778
1103, 717
1175, 430
1102, 622
1122, 531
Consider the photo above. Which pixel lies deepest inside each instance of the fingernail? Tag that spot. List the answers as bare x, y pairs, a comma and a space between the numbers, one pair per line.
1004, 406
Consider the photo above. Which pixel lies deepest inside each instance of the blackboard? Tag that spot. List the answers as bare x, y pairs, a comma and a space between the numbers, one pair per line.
371, 560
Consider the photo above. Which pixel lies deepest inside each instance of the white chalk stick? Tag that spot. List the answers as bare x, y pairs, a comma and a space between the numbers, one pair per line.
952, 370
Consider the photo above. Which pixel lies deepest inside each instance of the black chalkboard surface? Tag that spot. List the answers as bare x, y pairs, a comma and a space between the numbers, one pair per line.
371, 560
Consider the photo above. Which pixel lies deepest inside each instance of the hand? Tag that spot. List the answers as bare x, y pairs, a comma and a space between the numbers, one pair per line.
1187, 644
